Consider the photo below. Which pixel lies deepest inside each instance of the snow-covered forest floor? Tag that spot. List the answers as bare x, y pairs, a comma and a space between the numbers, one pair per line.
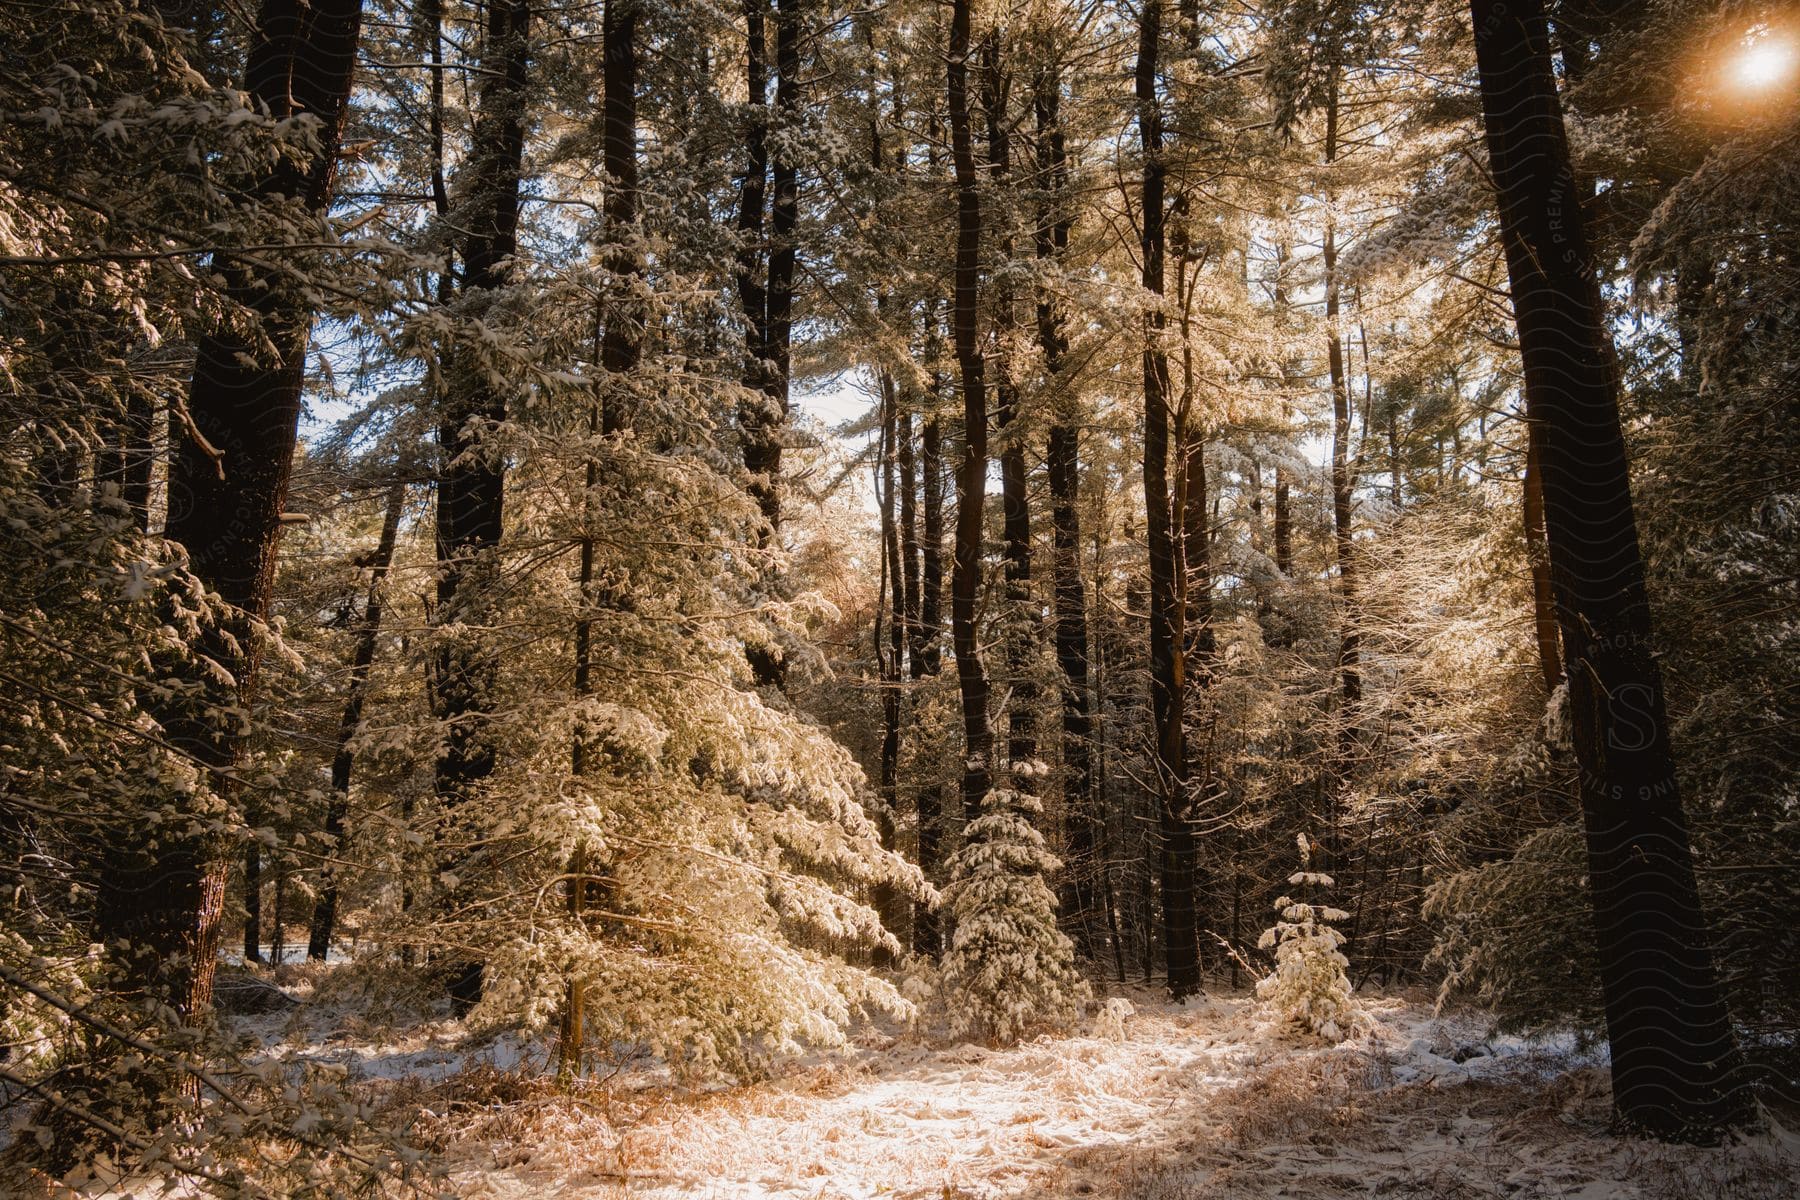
1200, 1099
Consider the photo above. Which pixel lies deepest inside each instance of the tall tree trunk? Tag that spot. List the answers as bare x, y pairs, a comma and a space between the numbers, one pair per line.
757, 424
909, 541
768, 307
1189, 517
971, 481
784, 215
928, 661
890, 656
1283, 533
571, 1034
1167, 670
158, 911
1393, 432
1015, 500
622, 342
899, 570
1343, 486
1284, 524
362, 661
1200, 648
253, 898
620, 350
1675, 1066
277, 928
1063, 458
1537, 553
472, 479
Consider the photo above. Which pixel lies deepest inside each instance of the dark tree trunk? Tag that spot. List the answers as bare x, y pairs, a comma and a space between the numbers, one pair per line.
571, 1028
890, 648
971, 481
571, 1032
1021, 631
472, 479
1393, 431
931, 552
758, 423
368, 637
253, 901
1343, 486
1190, 521
1284, 521
622, 342
277, 928
1083, 834
1167, 670
1196, 555
1675, 1067
158, 912
1284, 525
909, 542
928, 661
784, 215
1200, 649
620, 350
768, 308
1543, 600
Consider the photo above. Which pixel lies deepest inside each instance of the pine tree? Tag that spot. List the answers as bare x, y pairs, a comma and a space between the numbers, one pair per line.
1009, 969
1309, 989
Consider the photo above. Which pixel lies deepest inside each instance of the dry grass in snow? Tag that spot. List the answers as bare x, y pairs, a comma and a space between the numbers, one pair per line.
1195, 1101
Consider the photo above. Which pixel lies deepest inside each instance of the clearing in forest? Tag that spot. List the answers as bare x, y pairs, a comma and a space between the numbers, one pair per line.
1195, 1100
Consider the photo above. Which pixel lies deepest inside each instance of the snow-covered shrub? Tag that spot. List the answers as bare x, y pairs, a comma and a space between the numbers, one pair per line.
1109, 1022
1309, 988
1009, 969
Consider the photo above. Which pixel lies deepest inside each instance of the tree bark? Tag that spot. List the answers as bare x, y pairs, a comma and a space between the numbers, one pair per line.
971, 482
1083, 833
909, 540
928, 661
1675, 1066
890, 656
472, 480
1167, 669
757, 419
620, 351
784, 215
1342, 498
368, 637
622, 342
1015, 499
1537, 553
158, 909
253, 898
768, 307
1283, 532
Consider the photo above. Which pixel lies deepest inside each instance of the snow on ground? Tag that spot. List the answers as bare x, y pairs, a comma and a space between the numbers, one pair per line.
1198, 1100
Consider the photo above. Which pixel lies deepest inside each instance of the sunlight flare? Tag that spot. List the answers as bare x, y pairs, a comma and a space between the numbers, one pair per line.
1766, 61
